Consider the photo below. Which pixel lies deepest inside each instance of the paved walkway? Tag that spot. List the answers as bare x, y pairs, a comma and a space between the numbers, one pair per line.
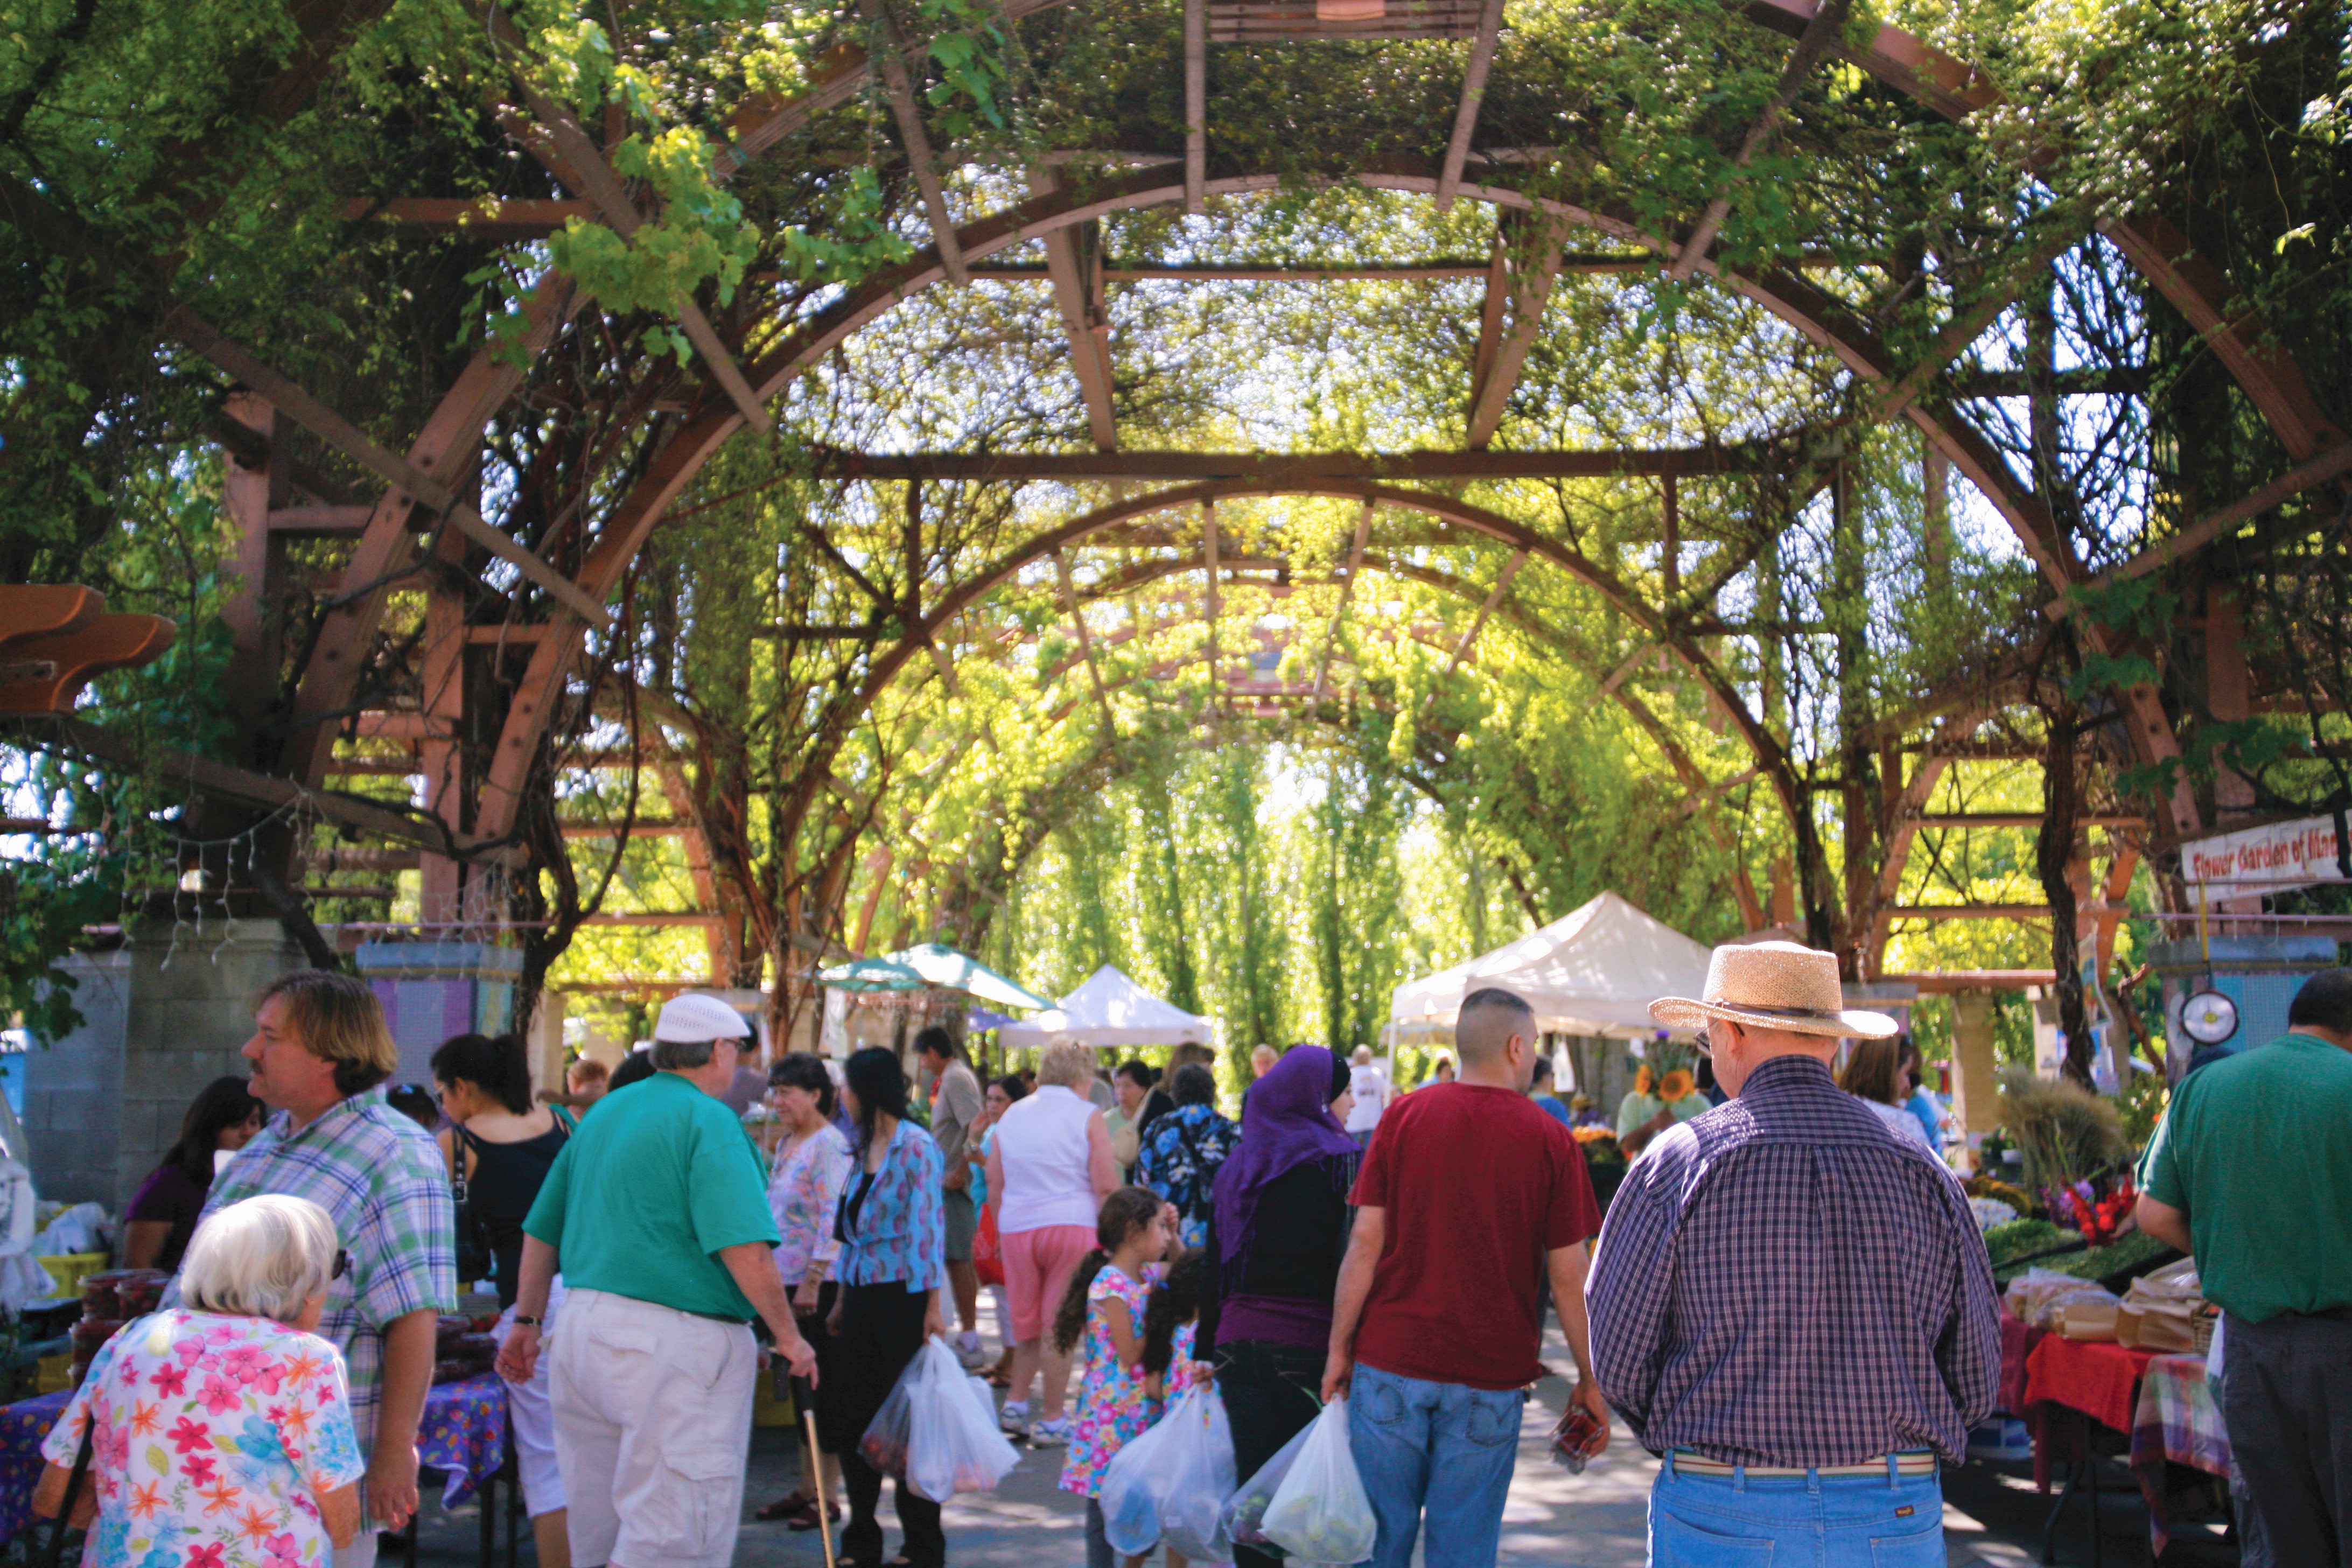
1993, 1516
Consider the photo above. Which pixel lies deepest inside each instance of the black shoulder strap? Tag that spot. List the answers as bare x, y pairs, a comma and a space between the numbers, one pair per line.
73, 1487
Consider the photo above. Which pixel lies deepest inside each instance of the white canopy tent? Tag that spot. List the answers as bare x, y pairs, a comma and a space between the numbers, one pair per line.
1110, 1009
1594, 971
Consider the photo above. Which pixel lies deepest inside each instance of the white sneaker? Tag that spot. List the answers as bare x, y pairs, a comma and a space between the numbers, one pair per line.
1013, 1419
1050, 1434
970, 1353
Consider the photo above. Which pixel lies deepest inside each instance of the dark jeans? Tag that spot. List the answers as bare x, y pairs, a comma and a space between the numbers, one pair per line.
2286, 1397
1271, 1393
881, 1330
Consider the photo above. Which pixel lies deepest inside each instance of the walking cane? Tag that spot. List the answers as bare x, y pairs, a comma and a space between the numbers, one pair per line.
804, 1397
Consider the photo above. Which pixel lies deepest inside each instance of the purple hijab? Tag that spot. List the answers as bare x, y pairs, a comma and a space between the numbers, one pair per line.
1285, 1122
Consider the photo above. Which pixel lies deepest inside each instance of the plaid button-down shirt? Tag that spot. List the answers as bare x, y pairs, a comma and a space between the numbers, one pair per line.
1784, 1282
383, 1179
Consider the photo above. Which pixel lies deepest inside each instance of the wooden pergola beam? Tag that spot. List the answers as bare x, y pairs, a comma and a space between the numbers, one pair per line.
1474, 90
1209, 558
2015, 819
1530, 289
1478, 624
2336, 459
1347, 593
1968, 912
1083, 318
1196, 105
579, 161
395, 470
1820, 32
1086, 640
1292, 466
899, 88
205, 776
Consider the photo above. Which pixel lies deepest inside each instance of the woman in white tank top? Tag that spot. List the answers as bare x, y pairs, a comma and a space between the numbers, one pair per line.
1049, 1168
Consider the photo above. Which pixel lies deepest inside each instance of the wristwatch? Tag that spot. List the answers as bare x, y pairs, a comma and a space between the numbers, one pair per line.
522, 1319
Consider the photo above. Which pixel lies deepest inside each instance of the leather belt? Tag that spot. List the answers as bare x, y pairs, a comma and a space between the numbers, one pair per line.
1916, 1462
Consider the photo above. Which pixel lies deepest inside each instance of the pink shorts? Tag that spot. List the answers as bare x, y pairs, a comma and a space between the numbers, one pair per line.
1037, 1268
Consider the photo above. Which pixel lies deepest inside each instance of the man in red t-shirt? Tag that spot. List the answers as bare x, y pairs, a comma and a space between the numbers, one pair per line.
1468, 1196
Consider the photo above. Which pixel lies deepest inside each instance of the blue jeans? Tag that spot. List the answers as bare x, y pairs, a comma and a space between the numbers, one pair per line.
1407, 1432
1795, 1521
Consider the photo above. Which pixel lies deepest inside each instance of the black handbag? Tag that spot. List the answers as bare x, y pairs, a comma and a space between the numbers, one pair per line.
476, 1259
57, 1555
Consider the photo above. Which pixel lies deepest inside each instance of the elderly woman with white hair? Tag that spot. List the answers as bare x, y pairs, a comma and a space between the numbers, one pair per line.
1049, 1169
220, 1430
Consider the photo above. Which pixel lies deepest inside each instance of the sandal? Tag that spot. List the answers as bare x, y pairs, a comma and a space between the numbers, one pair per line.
785, 1508
999, 1377
806, 1518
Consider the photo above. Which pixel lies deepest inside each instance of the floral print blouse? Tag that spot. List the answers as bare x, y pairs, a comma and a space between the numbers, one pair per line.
212, 1435
895, 1228
803, 1191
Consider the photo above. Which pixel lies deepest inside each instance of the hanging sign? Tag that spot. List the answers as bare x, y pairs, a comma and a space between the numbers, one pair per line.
2275, 860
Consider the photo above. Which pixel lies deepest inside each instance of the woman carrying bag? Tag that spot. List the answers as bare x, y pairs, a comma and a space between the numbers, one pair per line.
892, 1271
499, 1154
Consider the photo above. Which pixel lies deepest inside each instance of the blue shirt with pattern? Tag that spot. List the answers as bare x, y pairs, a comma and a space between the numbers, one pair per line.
1180, 1160
382, 1179
897, 1230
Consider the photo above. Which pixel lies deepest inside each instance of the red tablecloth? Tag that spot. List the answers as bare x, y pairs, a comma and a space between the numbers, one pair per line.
2099, 1380
2017, 1338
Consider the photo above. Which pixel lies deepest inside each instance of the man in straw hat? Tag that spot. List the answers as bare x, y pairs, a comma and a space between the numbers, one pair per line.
1789, 1302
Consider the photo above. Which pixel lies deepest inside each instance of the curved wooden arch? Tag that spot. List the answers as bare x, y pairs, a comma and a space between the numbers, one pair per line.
1937, 81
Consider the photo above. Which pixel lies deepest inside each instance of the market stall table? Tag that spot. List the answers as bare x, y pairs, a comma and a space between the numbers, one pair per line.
2176, 1421
2158, 1403
463, 1435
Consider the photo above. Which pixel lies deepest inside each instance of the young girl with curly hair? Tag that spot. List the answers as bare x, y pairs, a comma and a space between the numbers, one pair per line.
1103, 1308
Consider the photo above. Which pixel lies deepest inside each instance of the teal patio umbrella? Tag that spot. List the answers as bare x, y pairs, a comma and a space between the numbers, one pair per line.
935, 967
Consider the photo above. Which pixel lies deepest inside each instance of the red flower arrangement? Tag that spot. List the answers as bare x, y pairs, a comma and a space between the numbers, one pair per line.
2100, 1219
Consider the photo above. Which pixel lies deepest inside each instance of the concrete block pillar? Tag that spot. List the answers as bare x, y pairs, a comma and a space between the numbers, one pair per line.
163, 1015
1976, 1082
432, 990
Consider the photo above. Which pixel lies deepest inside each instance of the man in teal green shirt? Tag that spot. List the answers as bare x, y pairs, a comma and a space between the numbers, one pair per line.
657, 1213
2251, 1172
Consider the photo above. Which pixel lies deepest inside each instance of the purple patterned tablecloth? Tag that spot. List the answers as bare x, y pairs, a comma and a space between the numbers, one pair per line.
22, 1427
463, 1435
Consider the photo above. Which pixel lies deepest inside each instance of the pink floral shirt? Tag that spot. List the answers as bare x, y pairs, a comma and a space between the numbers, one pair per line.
212, 1435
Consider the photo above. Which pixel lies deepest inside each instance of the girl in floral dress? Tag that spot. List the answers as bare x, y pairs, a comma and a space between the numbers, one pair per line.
223, 1430
1103, 1308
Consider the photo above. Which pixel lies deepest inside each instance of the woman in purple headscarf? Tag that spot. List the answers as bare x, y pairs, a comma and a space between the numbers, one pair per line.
1275, 1239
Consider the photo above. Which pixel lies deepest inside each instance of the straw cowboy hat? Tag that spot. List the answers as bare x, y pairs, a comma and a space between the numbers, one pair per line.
1774, 986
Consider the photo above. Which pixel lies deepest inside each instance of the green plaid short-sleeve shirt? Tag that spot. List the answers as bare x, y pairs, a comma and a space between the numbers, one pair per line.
381, 1177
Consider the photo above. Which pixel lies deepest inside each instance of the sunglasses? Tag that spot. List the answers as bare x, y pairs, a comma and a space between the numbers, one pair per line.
343, 1265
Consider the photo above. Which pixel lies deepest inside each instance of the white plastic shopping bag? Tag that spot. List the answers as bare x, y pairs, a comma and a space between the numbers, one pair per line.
951, 1446
1320, 1514
1129, 1496
1196, 1477
1245, 1509
1171, 1484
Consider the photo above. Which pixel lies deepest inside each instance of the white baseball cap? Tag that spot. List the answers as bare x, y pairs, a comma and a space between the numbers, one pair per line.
694, 1017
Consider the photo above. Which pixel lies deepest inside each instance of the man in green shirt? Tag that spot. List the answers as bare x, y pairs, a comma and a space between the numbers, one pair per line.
2251, 1173
657, 1213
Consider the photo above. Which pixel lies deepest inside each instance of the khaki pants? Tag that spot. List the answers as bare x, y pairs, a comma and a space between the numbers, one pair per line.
653, 1419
